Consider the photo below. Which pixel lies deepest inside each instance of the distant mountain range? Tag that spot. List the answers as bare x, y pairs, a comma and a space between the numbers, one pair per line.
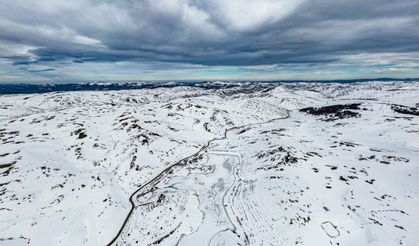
25, 88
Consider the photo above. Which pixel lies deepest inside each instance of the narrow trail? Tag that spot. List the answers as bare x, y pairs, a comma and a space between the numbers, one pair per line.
232, 223
223, 201
159, 176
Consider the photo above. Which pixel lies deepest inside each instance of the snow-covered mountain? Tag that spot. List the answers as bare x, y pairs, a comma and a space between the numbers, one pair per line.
215, 164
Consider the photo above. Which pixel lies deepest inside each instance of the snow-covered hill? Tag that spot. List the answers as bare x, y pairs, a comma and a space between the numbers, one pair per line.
264, 164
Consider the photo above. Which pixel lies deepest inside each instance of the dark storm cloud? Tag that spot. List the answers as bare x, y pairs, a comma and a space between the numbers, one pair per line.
216, 33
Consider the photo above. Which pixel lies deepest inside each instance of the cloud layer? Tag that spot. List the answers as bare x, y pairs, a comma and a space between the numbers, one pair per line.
49, 37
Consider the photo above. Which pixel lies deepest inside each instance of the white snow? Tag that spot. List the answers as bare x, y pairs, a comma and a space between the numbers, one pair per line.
257, 170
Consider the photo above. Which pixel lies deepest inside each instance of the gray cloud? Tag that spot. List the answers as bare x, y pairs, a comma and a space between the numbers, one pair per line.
211, 33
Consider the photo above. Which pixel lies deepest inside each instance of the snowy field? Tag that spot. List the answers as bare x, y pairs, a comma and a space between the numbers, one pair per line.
262, 164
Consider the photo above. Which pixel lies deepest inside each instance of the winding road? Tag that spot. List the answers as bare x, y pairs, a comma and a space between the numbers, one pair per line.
150, 184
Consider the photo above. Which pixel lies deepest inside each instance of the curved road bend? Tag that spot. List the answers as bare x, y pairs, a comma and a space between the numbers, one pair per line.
161, 174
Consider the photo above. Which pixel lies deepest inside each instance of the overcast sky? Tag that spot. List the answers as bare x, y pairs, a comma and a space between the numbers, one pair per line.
85, 40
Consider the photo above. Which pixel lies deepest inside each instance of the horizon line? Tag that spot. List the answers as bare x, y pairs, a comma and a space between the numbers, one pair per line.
206, 80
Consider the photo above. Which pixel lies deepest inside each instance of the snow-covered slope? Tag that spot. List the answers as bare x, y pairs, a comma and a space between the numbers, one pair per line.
241, 165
